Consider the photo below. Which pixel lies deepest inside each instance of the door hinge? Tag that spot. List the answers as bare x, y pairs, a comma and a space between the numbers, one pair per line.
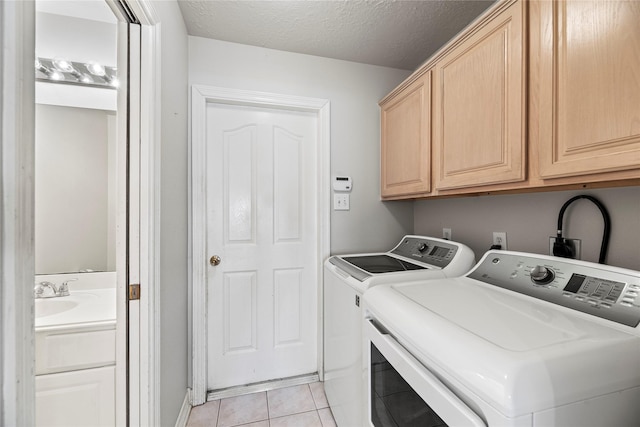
134, 292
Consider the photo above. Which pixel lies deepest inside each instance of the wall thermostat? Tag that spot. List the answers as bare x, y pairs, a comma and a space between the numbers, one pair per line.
341, 183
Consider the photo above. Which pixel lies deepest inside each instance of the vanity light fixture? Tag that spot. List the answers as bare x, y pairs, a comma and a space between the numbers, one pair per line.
60, 70
51, 74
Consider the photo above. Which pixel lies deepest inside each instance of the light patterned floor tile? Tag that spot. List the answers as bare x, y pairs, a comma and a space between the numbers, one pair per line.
326, 417
204, 415
320, 399
264, 423
290, 400
244, 409
298, 406
306, 419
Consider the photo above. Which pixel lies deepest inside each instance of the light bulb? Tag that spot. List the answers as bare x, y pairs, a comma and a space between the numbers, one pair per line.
95, 69
56, 75
86, 79
63, 65
40, 67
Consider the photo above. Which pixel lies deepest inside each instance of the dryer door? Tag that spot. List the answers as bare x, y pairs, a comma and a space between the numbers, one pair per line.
402, 392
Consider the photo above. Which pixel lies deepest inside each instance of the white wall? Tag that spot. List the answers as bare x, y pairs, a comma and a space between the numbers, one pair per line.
529, 220
173, 217
354, 91
75, 39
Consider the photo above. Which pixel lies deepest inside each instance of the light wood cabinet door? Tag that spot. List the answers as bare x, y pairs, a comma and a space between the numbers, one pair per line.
589, 88
405, 157
479, 89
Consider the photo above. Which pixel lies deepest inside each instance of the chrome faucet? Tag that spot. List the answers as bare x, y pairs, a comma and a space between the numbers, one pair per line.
49, 290
45, 290
64, 288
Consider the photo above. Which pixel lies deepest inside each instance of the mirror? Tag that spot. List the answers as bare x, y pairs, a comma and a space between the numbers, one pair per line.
75, 150
75, 190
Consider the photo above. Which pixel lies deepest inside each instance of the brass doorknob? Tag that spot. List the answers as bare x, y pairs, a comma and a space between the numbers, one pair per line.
214, 260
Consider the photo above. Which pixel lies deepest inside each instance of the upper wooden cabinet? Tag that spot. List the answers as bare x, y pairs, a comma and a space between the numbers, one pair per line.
533, 94
406, 140
586, 69
480, 106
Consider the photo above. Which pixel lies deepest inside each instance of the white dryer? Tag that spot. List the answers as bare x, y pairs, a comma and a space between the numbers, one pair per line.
346, 279
521, 340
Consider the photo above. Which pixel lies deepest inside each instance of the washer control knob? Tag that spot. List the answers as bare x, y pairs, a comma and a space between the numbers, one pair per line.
422, 247
541, 275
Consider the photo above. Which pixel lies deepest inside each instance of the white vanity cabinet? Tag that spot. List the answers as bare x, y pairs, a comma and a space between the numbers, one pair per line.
76, 398
76, 359
75, 375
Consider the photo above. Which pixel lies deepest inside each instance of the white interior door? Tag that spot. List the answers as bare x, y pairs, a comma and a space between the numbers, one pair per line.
262, 222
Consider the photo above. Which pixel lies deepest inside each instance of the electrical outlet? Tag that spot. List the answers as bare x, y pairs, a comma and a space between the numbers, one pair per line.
340, 202
575, 243
500, 238
446, 233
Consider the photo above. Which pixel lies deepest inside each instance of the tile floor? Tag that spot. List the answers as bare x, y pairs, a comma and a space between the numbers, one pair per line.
297, 406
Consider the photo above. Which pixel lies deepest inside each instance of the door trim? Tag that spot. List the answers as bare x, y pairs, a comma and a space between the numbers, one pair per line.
17, 109
200, 97
17, 267
144, 366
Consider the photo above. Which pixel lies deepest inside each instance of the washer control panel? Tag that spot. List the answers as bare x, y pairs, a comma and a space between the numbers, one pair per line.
438, 253
608, 292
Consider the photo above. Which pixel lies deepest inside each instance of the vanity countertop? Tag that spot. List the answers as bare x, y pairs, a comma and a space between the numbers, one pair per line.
81, 308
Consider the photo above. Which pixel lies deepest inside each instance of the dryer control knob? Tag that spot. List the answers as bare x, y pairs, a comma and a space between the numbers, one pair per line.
541, 275
422, 247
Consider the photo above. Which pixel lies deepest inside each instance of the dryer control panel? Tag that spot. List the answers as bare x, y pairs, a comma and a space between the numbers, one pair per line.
436, 252
608, 292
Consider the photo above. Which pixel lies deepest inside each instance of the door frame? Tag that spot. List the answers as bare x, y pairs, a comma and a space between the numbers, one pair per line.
142, 351
200, 97
17, 142
17, 189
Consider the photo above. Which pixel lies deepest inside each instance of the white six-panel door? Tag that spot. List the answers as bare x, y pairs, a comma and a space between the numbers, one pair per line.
262, 217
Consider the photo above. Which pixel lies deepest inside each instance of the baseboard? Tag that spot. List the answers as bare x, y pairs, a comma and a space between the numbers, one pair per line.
183, 416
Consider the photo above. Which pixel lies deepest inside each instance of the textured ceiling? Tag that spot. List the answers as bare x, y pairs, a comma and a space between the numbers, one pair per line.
391, 33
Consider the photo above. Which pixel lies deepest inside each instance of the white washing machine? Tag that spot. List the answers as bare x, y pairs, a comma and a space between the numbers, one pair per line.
346, 278
521, 340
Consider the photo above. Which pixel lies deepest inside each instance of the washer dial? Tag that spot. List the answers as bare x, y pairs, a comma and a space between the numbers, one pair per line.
541, 275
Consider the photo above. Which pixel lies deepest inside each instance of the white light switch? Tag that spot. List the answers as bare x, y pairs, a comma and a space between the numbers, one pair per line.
340, 202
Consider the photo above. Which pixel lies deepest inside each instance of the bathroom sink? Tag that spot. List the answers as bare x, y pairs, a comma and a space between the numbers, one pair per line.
79, 308
50, 306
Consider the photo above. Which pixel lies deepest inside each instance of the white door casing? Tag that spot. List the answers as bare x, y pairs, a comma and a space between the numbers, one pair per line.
17, 79
140, 350
256, 234
17, 148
